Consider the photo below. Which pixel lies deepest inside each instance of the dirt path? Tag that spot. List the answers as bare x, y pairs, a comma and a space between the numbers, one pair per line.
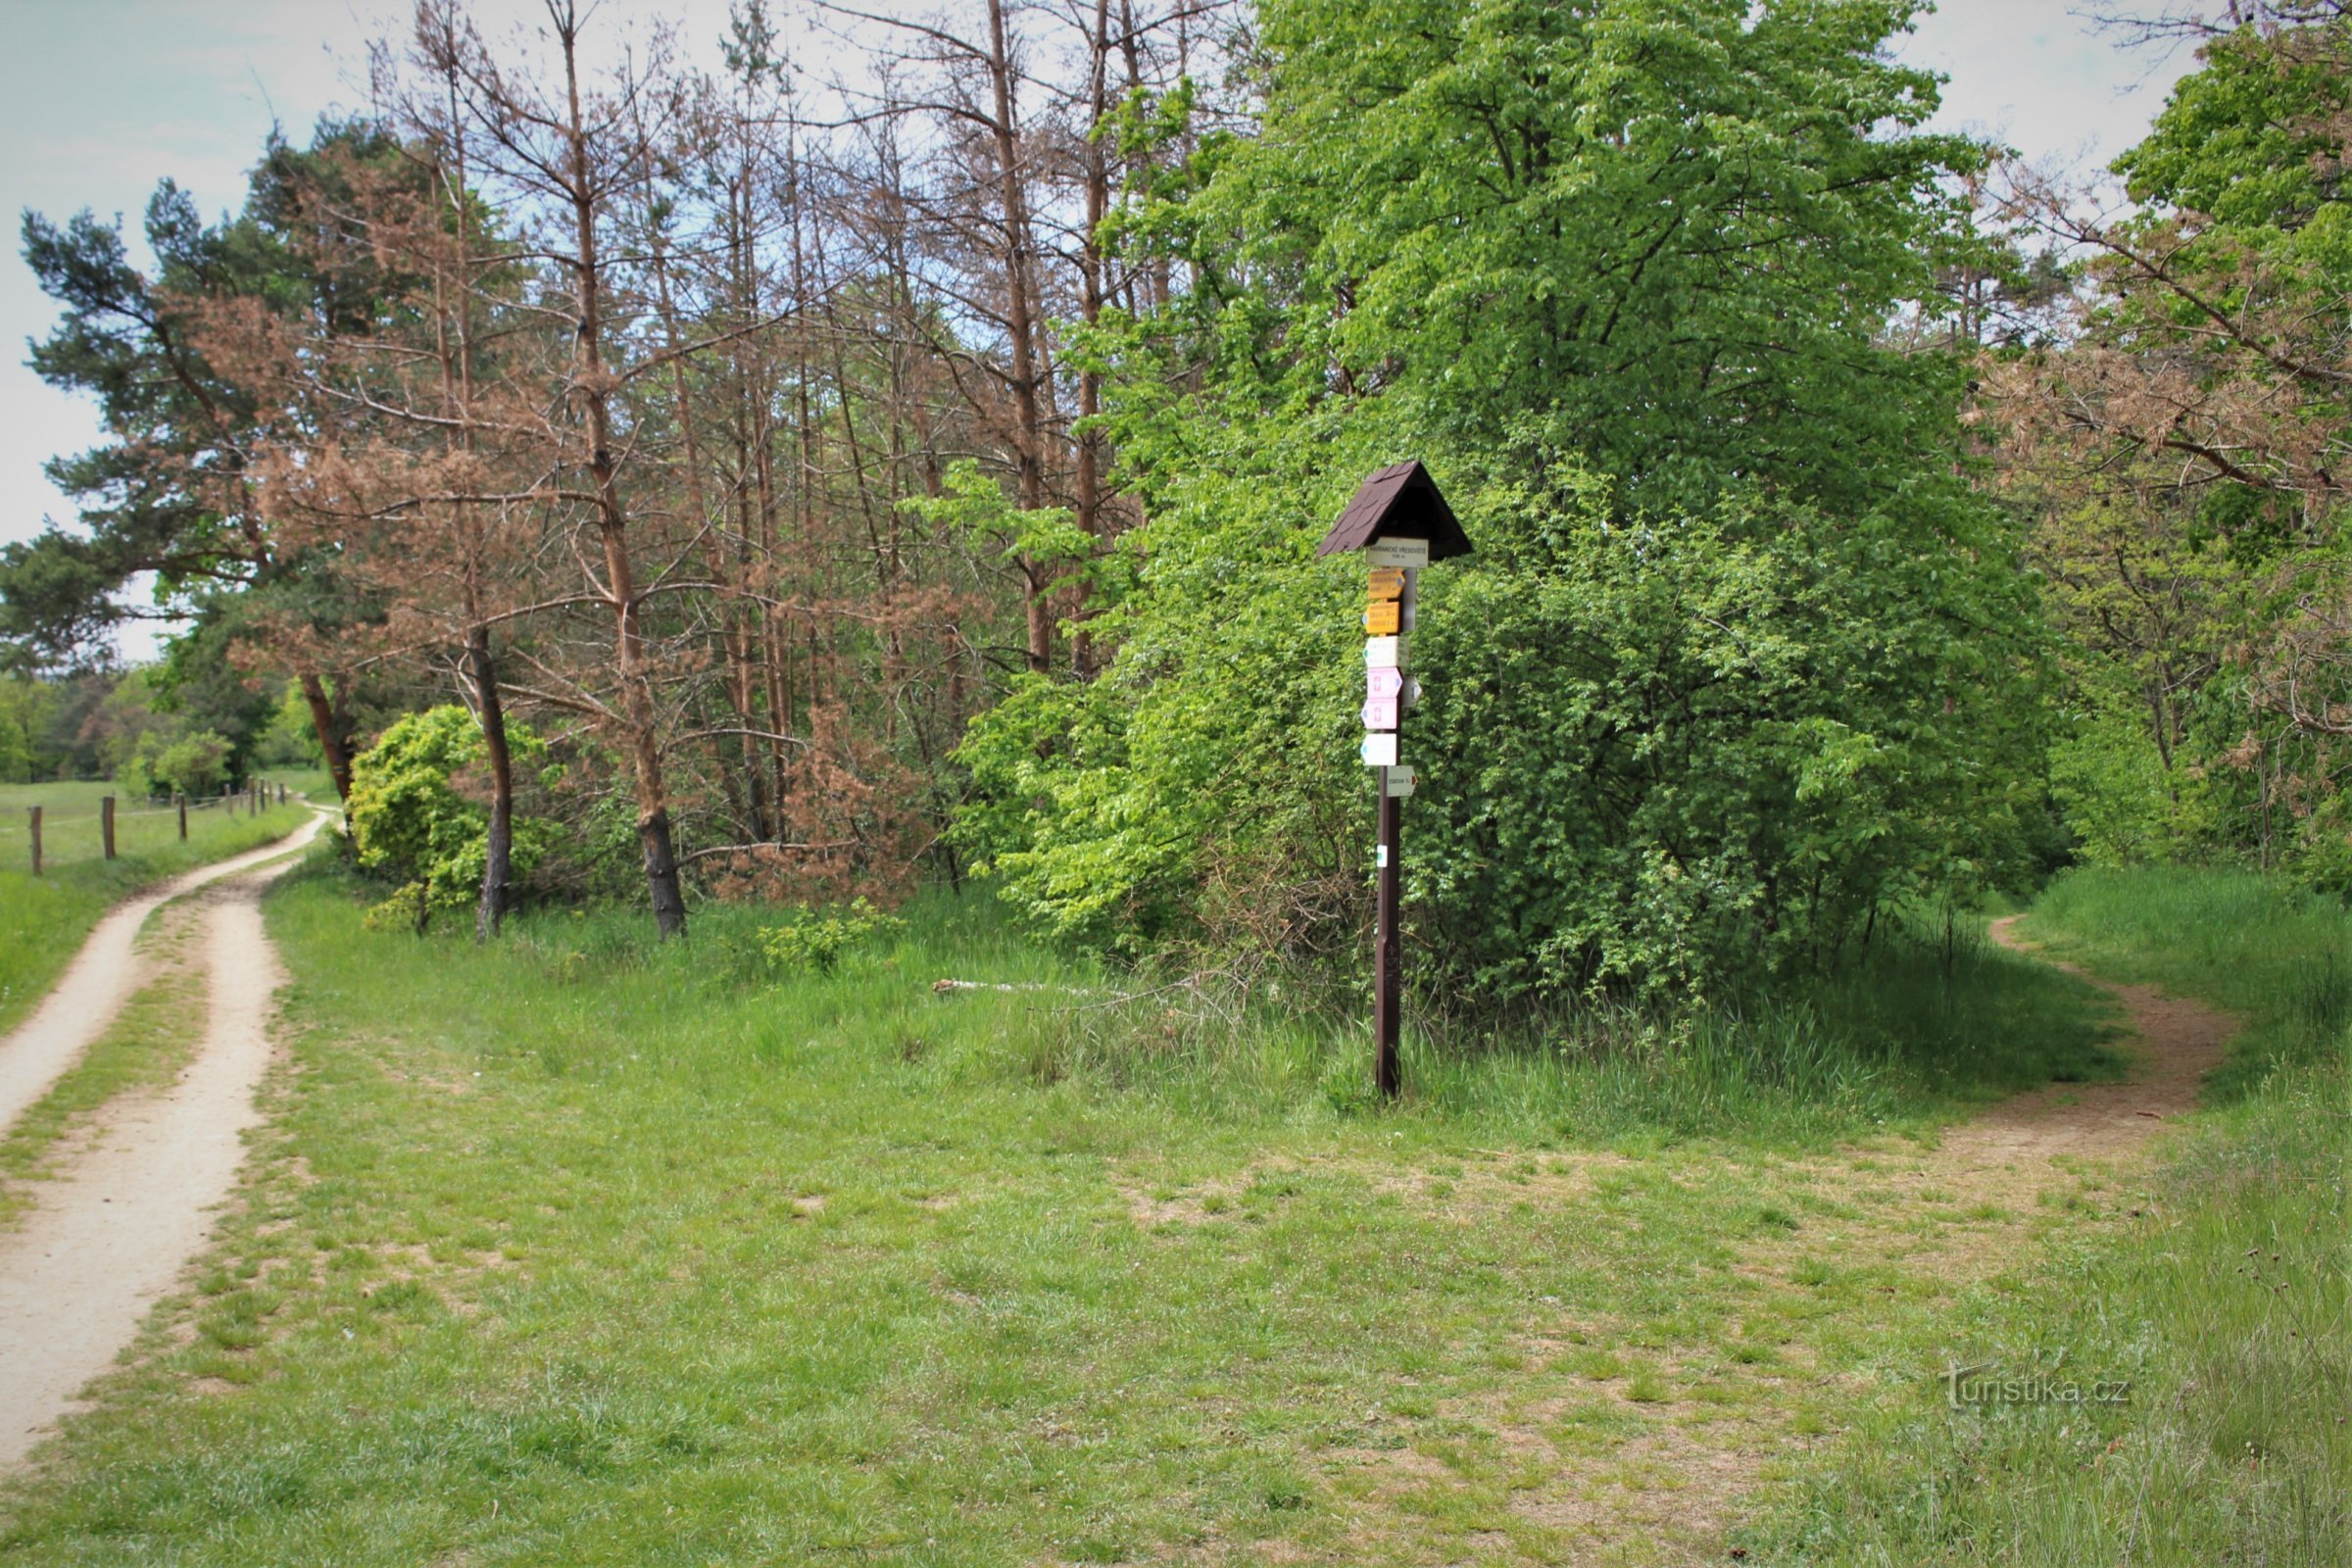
112, 1234
2177, 1043
1678, 1471
104, 975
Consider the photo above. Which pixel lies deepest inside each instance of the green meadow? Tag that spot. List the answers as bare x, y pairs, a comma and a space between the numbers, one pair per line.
577, 1250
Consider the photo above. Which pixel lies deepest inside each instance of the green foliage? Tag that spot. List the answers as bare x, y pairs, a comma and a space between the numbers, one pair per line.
2109, 780
1678, 753
410, 823
2252, 139
975, 507
1497, 208
193, 764
1738, 661
409, 908
1656, 756
25, 705
814, 943
2186, 446
291, 739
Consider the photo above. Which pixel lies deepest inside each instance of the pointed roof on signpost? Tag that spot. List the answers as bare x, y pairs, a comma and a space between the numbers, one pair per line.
1399, 501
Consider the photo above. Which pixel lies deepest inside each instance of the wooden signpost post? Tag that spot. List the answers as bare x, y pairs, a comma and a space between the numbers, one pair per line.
1401, 524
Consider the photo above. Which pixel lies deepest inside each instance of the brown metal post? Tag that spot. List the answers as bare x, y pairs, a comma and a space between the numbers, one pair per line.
105, 823
34, 813
1388, 1008
180, 801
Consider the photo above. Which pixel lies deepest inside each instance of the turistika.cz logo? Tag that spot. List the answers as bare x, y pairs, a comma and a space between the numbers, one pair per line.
1970, 1387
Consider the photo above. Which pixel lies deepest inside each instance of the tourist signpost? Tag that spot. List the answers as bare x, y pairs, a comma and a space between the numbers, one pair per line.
1401, 524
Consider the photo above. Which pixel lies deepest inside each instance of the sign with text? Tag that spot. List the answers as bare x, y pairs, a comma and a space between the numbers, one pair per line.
1396, 553
1399, 780
1380, 713
1383, 653
1387, 582
1379, 750
1383, 685
1382, 618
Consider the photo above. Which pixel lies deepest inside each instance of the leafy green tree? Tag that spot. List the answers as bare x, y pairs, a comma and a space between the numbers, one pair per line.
1670, 756
193, 764
24, 707
1741, 661
1680, 226
289, 740
2184, 449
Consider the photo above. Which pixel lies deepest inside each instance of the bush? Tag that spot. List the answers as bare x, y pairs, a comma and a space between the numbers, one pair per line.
410, 823
1658, 756
193, 764
816, 942
1668, 755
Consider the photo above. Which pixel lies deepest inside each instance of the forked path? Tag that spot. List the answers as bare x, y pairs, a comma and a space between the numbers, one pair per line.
112, 1233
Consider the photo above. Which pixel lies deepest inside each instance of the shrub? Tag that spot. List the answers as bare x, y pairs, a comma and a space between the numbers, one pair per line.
815, 942
1659, 756
410, 821
193, 764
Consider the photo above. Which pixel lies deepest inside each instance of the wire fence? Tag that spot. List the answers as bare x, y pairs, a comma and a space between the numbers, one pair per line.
97, 823
156, 806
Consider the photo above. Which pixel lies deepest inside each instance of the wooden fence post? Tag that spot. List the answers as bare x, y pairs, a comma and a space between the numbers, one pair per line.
181, 802
34, 813
229, 798
105, 823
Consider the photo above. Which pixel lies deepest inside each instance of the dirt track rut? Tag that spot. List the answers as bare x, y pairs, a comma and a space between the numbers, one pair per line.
114, 1231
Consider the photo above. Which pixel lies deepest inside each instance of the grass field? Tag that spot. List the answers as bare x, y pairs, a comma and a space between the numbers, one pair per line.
43, 920
2223, 1301
572, 1250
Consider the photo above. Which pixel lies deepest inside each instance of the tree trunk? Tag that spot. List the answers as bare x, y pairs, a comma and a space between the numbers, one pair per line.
328, 725
1020, 320
499, 846
1090, 310
590, 384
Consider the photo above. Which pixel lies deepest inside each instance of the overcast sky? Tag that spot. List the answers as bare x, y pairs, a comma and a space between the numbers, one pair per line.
99, 99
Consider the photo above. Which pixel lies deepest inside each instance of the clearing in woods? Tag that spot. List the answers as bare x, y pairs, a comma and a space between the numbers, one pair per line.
502, 1273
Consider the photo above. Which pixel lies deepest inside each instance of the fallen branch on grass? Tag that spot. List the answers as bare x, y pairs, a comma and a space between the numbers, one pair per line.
942, 987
